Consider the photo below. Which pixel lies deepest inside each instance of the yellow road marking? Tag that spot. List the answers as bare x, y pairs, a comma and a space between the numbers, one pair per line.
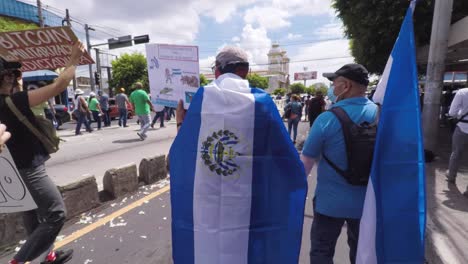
105, 220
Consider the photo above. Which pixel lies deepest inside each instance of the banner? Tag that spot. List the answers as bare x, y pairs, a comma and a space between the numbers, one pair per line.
40, 49
174, 73
300, 76
14, 196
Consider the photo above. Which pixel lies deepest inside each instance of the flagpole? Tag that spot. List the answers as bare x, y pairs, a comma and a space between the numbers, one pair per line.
435, 71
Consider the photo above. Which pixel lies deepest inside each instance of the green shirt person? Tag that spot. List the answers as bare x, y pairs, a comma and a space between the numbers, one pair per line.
93, 104
142, 105
95, 109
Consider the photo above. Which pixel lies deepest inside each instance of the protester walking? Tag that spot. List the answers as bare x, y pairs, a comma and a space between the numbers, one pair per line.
29, 154
338, 198
81, 113
160, 112
95, 109
459, 111
142, 105
315, 107
237, 185
104, 102
122, 103
294, 114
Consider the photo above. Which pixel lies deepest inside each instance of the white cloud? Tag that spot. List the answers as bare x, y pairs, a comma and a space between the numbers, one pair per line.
333, 30
235, 39
256, 43
292, 36
267, 17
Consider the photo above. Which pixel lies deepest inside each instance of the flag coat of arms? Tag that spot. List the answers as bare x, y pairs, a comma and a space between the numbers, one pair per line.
238, 186
393, 223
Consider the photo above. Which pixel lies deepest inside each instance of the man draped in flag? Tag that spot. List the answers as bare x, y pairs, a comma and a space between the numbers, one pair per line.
238, 186
338, 197
393, 221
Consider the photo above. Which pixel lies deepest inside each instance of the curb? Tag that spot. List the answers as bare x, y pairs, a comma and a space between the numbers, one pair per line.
83, 195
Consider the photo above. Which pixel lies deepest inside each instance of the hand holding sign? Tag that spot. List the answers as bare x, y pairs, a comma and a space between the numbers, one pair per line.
77, 51
4, 136
44, 48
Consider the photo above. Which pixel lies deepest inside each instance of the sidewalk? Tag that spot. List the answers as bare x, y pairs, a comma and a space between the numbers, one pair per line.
447, 209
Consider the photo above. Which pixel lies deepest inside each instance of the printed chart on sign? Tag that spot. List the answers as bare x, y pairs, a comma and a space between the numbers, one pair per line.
173, 73
14, 196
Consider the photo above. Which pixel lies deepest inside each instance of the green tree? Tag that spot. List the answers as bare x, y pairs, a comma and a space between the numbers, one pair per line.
257, 81
297, 88
8, 24
279, 91
310, 90
129, 69
203, 80
373, 27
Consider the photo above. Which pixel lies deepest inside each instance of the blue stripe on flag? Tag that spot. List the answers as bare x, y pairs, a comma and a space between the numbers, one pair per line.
398, 169
279, 188
182, 186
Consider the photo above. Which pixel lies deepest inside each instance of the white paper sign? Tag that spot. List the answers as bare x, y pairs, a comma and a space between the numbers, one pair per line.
14, 196
174, 73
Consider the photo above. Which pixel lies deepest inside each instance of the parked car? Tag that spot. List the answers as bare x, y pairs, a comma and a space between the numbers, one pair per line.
61, 114
114, 110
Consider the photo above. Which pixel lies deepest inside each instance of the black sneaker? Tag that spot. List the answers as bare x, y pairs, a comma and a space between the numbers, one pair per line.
61, 257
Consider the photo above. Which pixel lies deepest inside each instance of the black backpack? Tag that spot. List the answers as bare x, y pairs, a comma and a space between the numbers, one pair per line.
360, 143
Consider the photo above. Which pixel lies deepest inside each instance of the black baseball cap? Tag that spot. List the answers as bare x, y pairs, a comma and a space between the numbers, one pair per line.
12, 66
353, 71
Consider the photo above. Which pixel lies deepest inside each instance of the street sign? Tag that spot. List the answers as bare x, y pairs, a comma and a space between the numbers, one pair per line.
301, 76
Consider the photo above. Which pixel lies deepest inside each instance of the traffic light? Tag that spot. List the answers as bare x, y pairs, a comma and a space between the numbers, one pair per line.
97, 78
141, 39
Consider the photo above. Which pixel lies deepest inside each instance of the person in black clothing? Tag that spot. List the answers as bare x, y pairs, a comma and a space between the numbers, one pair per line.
315, 107
43, 224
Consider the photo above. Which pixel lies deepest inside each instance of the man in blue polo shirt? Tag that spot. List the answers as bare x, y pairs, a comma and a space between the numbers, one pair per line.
336, 201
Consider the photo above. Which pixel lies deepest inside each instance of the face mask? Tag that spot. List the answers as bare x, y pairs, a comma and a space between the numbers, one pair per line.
331, 94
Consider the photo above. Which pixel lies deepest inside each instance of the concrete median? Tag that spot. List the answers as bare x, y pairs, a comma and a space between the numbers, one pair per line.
152, 169
120, 181
80, 196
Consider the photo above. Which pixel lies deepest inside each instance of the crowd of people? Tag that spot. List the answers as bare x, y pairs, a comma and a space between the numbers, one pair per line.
336, 200
96, 108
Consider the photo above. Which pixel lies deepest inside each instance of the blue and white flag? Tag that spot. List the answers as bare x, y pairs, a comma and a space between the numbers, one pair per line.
238, 187
394, 218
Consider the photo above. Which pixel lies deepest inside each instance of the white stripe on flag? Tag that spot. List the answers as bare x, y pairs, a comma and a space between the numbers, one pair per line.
382, 86
366, 252
221, 204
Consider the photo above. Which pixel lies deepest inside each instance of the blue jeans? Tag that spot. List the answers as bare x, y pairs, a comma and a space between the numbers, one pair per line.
293, 123
97, 118
324, 235
145, 122
106, 117
159, 115
82, 118
123, 113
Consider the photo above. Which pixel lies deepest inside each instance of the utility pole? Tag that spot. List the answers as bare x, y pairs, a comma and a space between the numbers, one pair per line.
435, 71
91, 79
39, 13
98, 67
67, 20
305, 81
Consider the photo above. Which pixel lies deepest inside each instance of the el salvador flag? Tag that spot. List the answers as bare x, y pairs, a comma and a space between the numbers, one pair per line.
238, 186
394, 218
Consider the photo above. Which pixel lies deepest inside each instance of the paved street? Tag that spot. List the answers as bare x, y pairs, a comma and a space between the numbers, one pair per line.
135, 228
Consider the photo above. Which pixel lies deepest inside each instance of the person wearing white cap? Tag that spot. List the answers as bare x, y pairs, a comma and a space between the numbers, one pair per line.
81, 112
29, 154
95, 108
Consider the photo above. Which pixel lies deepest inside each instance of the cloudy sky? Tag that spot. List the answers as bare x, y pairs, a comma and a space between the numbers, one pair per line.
307, 29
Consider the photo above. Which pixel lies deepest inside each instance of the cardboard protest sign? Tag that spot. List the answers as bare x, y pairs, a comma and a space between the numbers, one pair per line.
14, 196
174, 73
40, 49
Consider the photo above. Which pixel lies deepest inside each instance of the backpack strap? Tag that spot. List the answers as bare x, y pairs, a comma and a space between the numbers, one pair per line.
25, 121
346, 124
460, 120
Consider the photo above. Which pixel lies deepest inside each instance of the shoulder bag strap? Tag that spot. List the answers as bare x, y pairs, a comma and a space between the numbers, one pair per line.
23, 119
461, 119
